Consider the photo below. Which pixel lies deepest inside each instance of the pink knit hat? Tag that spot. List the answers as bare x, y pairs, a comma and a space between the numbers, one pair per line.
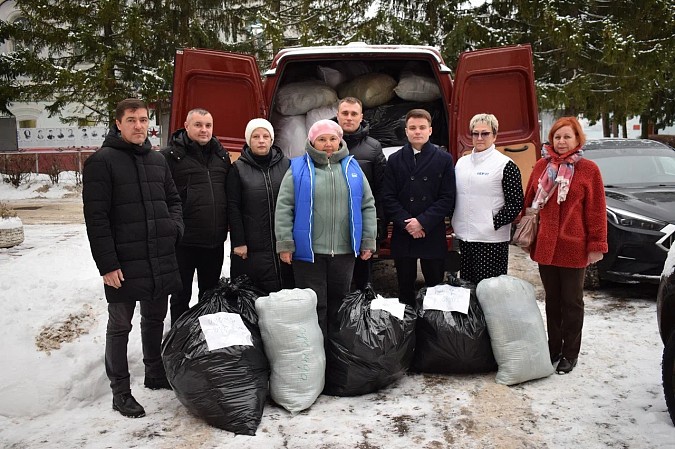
324, 127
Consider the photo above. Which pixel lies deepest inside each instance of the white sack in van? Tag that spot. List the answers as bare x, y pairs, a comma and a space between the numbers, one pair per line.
298, 98
293, 343
414, 87
290, 134
330, 76
324, 112
516, 329
373, 89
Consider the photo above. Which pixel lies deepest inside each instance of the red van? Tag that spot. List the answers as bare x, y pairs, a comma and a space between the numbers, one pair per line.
496, 80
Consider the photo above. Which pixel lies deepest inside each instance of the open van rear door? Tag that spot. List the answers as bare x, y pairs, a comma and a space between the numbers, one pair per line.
499, 81
228, 85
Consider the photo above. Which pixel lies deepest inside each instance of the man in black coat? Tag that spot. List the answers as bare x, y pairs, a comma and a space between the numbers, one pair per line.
133, 216
368, 152
418, 193
199, 165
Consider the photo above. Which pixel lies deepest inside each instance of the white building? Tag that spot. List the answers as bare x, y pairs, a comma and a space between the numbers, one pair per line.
35, 129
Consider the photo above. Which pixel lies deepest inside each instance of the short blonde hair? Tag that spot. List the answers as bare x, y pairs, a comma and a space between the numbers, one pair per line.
488, 119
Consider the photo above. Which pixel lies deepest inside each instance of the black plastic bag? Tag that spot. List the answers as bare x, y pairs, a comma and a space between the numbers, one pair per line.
452, 342
387, 122
226, 387
367, 349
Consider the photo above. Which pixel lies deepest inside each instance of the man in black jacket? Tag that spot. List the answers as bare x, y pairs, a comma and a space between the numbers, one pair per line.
368, 152
133, 217
199, 165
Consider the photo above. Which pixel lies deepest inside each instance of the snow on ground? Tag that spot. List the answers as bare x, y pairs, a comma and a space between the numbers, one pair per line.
54, 392
39, 186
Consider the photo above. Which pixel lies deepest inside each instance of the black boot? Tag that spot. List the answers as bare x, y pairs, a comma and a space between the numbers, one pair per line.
565, 365
556, 358
127, 405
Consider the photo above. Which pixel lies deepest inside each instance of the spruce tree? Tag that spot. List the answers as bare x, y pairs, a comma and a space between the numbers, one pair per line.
600, 58
93, 54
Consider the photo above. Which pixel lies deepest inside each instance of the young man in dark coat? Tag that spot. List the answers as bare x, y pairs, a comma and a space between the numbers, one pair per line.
133, 216
369, 155
199, 165
418, 193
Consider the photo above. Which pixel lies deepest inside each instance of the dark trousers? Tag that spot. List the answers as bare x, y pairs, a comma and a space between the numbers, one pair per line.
330, 277
117, 338
208, 262
564, 288
268, 275
482, 260
406, 273
363, 272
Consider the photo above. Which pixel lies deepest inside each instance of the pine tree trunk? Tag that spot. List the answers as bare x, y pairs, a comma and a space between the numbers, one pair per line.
605, 124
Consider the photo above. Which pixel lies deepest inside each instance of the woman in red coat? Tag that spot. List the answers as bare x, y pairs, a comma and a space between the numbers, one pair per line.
572, 234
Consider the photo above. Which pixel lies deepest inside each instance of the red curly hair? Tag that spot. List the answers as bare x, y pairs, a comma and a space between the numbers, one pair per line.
571, 122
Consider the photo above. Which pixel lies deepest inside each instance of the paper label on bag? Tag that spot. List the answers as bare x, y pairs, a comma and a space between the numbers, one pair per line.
224, 329
391, 305
447, 298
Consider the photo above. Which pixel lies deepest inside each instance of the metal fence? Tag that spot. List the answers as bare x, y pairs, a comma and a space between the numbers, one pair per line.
47, 161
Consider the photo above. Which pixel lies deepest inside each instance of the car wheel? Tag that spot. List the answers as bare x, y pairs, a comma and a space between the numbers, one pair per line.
592, 279
669, 375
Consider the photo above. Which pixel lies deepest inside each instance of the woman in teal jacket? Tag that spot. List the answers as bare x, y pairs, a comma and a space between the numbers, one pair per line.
325, 217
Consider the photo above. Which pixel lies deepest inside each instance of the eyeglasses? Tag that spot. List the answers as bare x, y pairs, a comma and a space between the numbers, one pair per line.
484, 134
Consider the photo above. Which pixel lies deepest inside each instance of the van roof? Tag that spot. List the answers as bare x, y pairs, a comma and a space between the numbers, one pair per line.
356, 48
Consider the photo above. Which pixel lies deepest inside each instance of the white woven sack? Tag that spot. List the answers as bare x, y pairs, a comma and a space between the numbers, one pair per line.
373, 89
413, 87
290, 134
298, 98
330, 76
293, 343
516, 329
322, 113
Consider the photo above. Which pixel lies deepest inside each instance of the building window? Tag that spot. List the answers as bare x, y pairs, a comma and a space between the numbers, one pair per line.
22, 22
